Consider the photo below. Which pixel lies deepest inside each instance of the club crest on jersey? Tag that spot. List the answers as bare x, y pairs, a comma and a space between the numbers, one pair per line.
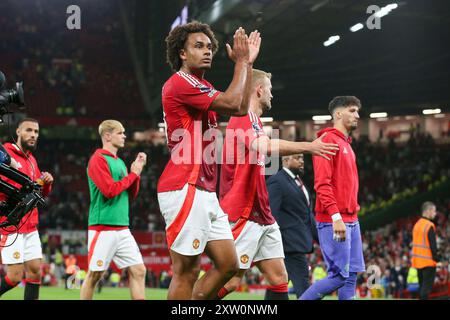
244, 258
16, 255
196, 244
99, 263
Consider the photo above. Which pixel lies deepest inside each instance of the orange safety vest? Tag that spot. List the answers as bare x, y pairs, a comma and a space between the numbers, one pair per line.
421, 251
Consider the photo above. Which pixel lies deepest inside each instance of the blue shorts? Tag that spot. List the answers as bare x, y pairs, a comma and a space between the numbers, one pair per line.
341, 257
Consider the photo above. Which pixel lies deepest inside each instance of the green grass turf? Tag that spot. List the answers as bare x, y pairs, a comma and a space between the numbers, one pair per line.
107, 293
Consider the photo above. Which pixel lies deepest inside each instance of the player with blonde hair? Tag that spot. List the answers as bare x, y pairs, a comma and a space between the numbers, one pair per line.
109, 237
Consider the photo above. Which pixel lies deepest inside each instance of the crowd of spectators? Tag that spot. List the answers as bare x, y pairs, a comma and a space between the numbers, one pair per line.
409, 166
68, 204
387, 252
388, 172
64, 76
82, 72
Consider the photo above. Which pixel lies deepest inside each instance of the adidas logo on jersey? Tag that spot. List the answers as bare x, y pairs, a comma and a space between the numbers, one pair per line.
345, 150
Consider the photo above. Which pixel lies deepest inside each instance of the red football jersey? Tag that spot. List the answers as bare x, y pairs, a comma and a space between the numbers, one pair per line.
27, 164
186, 100
243, 191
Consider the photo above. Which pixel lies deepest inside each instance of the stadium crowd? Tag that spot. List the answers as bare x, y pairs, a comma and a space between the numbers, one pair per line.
62, 73
417, 165
69, 80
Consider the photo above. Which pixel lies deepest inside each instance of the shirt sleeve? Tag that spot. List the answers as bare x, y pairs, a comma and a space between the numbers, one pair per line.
134, 188
189, 91
323, 174
433, 244
99, 173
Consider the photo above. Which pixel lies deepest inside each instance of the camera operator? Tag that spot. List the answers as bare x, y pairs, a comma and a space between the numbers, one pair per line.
25, 253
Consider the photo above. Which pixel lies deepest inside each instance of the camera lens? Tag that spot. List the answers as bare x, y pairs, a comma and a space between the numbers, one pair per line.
2, 80
17, 96
10, 96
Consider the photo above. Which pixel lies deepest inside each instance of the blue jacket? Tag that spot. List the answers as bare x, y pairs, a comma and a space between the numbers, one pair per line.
293, 214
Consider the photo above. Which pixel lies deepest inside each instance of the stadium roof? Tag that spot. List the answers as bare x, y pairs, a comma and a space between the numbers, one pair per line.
401, 68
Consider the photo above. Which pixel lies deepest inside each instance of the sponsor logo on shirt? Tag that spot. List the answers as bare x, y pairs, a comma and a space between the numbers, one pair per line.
212, 125
204, 88
256, 128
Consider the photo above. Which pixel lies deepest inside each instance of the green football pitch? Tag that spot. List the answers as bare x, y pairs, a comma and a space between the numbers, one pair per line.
108, 293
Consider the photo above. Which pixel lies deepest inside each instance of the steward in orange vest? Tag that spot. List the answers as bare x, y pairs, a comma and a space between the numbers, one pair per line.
424, 244
424, 254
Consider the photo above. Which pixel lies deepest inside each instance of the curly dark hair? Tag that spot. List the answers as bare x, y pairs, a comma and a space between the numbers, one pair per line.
343, 101
176, 41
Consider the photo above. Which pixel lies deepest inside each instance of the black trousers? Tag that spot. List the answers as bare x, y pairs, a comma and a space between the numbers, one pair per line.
426, 280
298, 273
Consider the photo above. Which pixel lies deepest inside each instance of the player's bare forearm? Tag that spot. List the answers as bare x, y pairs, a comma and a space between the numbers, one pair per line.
287, 148
247, 91
281, 147
316, 148
230, 101
239, 86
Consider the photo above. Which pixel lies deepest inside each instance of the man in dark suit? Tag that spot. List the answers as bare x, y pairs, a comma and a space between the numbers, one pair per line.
290, 203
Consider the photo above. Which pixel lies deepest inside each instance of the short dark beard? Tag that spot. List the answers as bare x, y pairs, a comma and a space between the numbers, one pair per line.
298, 172
301, 173
25, 147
